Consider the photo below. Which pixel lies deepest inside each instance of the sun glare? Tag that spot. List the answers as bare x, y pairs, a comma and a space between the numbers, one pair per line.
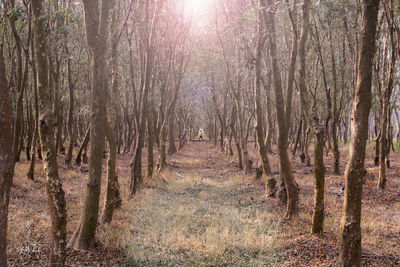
197, 9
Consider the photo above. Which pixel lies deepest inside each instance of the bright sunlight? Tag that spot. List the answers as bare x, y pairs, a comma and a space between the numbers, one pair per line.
197, 8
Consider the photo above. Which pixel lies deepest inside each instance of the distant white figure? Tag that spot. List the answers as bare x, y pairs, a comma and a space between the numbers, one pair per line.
201, 134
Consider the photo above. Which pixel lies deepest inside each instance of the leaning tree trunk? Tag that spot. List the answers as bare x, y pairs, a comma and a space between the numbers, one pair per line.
6, 159
82, 147
350, 241
96, 26
55, 192
285, 165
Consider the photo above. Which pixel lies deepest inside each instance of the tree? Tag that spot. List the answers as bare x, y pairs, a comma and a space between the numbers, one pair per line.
284, 162
96, 27
350, 236
6, 158
316, 127
136, 163
55, 192
262, 150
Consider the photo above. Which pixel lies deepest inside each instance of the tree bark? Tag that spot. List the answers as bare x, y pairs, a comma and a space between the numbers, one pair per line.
113, 197
350, 241
316, 127
259, 129
285, 165
136, 163
68, 158
55, 192
385, 142
82, 147
6, 159
96, 27
171, 133
336, 113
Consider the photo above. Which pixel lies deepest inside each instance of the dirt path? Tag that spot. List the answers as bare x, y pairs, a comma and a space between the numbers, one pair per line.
204, 212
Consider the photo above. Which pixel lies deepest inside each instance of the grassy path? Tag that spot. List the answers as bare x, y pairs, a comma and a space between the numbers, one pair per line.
203, 212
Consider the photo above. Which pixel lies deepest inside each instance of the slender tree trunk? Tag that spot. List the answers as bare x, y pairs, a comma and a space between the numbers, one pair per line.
162, 156
319, 183
171, 134
285, 165
350, 237
68, 158
268, 139
113, 198
83, 146
55, 192
236, 138
335, 120
96, 26
22, 77
258, 112
317, 129
298, 137
136, 164
6, 159
150, 141
31, 171
385, 131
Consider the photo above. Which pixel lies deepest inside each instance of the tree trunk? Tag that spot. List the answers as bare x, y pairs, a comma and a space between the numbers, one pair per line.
171, 134
113, 197
55, 192
6, 159
259, 129
150, 140
96, 26
68, 158
319, 182
298, 137
83, 146
336, 113
31, 171
136, 163
285, 165
386, 139
350, 241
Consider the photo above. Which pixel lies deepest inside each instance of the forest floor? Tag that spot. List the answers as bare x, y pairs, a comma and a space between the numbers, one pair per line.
202, 211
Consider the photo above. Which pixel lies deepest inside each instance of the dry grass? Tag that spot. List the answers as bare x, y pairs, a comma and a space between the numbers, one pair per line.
202, 211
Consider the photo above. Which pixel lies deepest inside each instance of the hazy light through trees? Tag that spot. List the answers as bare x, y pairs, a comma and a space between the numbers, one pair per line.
198, 11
